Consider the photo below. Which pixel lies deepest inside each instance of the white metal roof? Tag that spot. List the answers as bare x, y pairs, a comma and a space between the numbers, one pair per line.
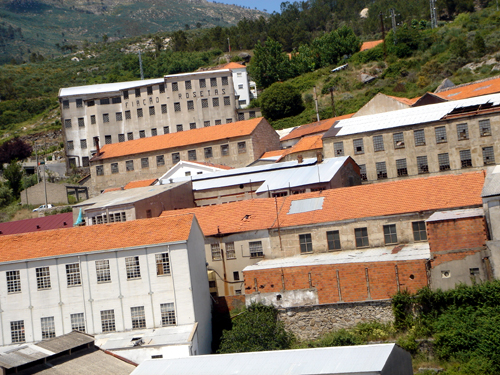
413, 251
362, 359
306, 205
409, 116
456, 214
202, 72
113, 88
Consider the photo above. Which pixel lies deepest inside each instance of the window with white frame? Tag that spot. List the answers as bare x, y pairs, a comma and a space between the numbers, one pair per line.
108, 321
305, 242
13, 281
230, 251
133, 268
167, 314
48, 328
78, 322
73, 274
216, 253
43, 278
256, 250
17, 331
162, 264
138, 317
102, 271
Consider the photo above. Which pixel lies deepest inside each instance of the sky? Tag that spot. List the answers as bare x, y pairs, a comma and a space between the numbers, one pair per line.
270, 5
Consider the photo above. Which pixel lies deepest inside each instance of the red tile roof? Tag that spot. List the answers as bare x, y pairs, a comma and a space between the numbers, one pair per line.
470, 90
220, 166
233, 65
112, 189
381, 199
313, 128
180, 139
37, 224
140, 183
313, 142
100, 237
371, 44
406, 101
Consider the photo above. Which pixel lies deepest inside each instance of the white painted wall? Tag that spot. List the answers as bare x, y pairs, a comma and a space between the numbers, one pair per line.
241, 86
139, 355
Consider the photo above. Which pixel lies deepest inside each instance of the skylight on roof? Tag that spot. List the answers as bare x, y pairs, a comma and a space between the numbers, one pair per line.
306, 205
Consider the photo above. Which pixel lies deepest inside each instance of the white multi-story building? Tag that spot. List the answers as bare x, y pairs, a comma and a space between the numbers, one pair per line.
141, 276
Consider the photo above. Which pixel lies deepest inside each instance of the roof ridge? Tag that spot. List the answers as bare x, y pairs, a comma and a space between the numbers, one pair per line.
468, 84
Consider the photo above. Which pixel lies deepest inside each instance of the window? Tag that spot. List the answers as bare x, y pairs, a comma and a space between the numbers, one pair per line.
70, 145
167, 314
163, 108
204, 103
144, 163
177, 106
188, 173
48, 328
208, 152
129, 165
188, 85
227, 100
390, 235
175, 157
399, 140
358, 146
133, 268
422, 165
192, 125
175, 86
419, 137
179, 127
13, 281
419, 232
73, 274
130, 136
154, 132
251, 114
484, 128
81, 122
190, 105
17, 331
99, 170
166, 130
92, 119
381, 170
116, 100
125, 94
401, 168
108, 320
216, 253
65, 104
85, 161
488, 155
441, 134
215, 102
160, 160
218, 122
142, 134
105, 101
83, 143
121, 137
242, 147
241, 116
240, 86
305, 241
213, 82
78, 322
90, 103
378, 143
362, 172
230, 252
256, 249
138, 317
152, 110
79, 103
192, 155
139, 112
224, 150
162, 264
224, 81
149, 90
114, 168
43, 278
128, 116
333, 239
105, 117
162, 88
361, 235
102, 271
137, 93
229, 120
462, 131
338, 148
67, 123
444, 162
465, 158
119, 116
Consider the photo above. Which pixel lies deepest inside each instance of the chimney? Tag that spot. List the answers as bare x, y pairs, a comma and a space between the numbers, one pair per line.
96, 141
300, 159
319, 157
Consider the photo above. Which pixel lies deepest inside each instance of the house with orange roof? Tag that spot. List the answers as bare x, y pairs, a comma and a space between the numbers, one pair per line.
371, 44
241, 84
307, 147
360, 222
469, 90
235, 145
140, 287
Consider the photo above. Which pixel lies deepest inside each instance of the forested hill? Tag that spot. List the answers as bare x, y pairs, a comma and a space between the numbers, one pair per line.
51, 27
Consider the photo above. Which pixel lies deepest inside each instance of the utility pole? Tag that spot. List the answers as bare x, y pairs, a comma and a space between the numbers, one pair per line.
393, 17
140, 65
383, 33
433, 13
316, 101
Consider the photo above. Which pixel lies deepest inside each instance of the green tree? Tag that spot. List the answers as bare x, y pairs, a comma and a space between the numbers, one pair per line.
14, 176
5, 195
269, 64
179, 41
281, 100
479, 44
331, 47
256, 329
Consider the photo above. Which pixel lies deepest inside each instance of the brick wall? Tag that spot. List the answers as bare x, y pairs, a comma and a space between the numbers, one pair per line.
382, 277
264, 138
224, 304
458, 234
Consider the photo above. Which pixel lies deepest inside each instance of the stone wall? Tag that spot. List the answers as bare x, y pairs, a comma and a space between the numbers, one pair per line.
311, 322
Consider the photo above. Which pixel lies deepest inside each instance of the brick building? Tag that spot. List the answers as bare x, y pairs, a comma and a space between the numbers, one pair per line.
234, 145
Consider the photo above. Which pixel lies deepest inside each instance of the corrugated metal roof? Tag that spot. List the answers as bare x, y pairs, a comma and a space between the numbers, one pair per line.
37, 224
113, 88
413, 251
409, 116
363, 359
455, 214
65, 342
306, 205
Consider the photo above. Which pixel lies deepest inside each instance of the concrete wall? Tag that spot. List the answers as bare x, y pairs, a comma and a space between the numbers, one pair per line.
491, 206
56, 193
380, 103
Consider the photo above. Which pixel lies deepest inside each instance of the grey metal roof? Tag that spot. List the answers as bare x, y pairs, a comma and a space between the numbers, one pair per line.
408, 116
413, 251
455, 214
306, 205
363, 359
65, 342
112, 88
203, 72
491, 185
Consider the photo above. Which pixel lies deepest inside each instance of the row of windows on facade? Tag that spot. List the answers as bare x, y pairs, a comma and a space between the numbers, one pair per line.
149, 91
176, 157
361, 236
419, 138
423, 165
74, 278
255, 248
137, 313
